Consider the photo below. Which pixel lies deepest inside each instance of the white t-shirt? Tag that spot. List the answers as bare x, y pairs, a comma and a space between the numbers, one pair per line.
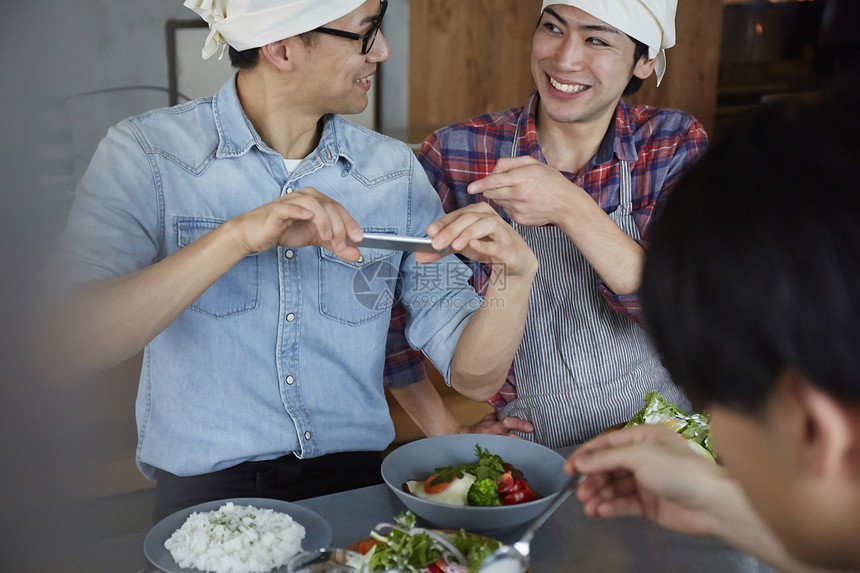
291, 165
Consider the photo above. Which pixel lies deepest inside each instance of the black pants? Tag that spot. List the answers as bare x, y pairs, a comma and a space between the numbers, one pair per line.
287, 478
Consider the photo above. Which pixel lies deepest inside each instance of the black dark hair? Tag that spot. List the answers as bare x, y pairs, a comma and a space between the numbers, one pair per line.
247, 59
635, 83
244, 60
754, 261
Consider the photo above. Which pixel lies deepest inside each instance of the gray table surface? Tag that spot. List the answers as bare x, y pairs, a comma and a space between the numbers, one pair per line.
568, 542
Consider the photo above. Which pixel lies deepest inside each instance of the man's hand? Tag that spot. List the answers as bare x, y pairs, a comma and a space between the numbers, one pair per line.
299, 219
649, 470
490, 424
478, 232
487, 344
531, 192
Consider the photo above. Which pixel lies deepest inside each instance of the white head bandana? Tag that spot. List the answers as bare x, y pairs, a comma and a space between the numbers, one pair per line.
652, 22
246, 24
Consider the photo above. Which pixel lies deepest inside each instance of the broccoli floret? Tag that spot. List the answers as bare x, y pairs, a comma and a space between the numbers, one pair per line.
483, 492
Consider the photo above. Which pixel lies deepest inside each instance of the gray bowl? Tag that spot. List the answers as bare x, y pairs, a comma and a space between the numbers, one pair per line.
541, 467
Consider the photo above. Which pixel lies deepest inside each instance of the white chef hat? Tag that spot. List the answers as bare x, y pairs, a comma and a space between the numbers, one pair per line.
246, 24
652, 22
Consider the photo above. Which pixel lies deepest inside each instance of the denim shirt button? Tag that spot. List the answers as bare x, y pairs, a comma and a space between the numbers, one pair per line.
290, 380
360, 259
289, 190
307, 435
291, 317
289, 253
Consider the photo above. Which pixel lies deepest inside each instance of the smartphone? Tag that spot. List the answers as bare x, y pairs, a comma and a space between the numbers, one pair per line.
398, 243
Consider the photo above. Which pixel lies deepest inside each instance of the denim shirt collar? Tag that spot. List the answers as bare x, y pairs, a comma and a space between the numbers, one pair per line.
237, 135
617, 142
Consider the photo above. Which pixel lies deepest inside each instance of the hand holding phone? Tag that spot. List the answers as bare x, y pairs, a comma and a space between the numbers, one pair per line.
398, 243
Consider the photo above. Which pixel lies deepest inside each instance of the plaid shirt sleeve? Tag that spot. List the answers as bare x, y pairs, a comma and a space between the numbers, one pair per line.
450, 169
403, 365
680, 151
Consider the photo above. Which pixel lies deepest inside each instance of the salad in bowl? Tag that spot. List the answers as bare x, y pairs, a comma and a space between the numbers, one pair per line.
404, 547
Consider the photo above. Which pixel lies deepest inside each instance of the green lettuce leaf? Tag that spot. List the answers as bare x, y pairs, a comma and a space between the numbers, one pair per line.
409, 550
695, 427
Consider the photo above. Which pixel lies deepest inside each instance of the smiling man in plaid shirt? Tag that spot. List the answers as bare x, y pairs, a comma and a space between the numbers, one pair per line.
580, 175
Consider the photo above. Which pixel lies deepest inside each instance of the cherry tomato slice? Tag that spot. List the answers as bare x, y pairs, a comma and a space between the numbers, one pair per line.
505, 483
366, 544
439, 487
520, 493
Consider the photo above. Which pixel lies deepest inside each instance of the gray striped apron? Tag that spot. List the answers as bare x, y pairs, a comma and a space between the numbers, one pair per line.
581, 366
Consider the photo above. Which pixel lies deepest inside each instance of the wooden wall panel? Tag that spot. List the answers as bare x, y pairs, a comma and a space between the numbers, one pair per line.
468, 57
692, 72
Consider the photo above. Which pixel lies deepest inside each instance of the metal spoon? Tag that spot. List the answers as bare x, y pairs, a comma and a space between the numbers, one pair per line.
515, 558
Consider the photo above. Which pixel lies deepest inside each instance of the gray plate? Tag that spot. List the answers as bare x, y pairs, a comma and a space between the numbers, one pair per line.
541, 466
317, 530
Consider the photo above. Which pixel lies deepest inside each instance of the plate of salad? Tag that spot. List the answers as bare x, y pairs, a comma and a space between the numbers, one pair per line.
403, 546
488, 481
476, 482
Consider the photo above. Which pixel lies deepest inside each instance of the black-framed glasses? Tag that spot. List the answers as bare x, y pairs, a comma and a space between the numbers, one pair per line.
367, 38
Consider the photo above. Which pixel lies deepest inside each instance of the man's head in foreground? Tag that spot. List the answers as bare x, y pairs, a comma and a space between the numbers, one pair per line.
752, 291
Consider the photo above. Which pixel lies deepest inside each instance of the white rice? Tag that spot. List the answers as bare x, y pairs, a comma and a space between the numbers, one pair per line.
236, 539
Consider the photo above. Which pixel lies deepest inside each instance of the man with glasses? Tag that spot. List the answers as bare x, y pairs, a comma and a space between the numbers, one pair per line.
368, 37
219, 236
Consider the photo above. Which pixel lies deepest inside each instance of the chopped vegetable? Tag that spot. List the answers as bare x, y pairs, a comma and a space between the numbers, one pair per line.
488, 466
695, 428
417, 550
506, 482
366, 545
488, 482
483, 493
433, 485
519, 492
475, 548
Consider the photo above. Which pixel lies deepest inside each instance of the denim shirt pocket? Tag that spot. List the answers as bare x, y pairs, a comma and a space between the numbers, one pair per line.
356, 292
238, 290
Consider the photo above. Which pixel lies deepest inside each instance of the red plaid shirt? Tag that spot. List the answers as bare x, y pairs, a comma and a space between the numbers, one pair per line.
659, 144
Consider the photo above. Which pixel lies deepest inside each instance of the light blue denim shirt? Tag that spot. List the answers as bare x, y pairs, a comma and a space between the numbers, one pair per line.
285, 352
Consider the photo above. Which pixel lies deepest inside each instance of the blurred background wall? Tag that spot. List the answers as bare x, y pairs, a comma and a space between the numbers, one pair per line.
64, 449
